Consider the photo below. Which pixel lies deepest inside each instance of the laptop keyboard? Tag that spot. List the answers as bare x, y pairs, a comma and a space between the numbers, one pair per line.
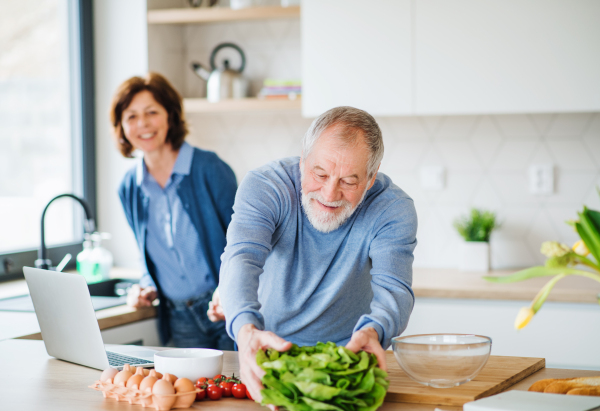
119, 360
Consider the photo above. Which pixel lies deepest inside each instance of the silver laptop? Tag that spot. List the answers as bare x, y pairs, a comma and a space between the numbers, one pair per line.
70, 330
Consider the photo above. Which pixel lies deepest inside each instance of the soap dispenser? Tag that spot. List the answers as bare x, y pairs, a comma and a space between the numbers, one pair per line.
85, 266
101, 258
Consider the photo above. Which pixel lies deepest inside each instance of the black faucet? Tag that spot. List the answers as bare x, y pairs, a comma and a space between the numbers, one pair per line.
89, 227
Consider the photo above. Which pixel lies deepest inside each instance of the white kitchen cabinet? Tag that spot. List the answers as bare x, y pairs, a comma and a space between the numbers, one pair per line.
506, 56
566, 334
424, 57
356, 53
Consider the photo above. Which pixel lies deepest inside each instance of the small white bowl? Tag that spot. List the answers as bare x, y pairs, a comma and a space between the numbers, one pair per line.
191, 363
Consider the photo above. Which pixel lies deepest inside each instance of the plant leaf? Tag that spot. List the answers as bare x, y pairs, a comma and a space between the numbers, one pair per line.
589, 234
538, 271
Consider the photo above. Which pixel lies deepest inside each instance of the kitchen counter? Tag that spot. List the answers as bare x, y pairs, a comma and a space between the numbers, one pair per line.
32, 380
450, 283
429, 283
24, 324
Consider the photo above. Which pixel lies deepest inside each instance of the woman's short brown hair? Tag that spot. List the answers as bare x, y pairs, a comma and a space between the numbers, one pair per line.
164, 94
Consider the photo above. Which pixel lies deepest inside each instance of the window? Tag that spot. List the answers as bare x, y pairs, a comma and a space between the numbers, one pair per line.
46, 127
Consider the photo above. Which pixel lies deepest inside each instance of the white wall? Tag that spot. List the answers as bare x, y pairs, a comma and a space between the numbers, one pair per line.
121, 51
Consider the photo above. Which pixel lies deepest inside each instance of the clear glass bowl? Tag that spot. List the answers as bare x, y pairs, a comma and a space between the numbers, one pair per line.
442, 360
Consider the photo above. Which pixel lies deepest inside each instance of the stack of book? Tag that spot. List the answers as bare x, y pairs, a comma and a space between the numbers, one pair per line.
281, 89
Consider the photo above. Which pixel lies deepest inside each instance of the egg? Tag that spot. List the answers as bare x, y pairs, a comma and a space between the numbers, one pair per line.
146, 372
163, 387
183, 385
170, 377
147, 383
156, 374
122, 377
134, 381
108, 374
130, 368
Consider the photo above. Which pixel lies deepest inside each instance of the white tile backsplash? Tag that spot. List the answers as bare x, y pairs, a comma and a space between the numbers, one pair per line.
572, 155
567, 125
517, 126
486, 157
514, 155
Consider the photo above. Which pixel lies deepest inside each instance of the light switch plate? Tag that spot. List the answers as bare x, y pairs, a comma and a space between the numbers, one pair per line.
541, 179
433, 178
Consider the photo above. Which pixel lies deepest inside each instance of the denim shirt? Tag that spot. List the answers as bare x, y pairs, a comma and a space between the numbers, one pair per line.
207, 194
171, 239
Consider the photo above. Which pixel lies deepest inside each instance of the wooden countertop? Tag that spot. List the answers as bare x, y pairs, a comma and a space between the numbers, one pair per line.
32, 380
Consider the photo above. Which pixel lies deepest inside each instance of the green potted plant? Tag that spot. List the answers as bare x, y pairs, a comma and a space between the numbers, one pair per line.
475, 228
582, 259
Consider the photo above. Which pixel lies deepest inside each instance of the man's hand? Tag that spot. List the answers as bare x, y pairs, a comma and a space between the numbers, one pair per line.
250, 340
215, 310
141, 297
368, 340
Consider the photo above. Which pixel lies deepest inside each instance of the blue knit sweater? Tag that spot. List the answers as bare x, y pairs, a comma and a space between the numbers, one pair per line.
282, 275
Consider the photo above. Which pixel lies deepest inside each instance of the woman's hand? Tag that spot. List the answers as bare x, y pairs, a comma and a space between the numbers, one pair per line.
215, 310
141, 297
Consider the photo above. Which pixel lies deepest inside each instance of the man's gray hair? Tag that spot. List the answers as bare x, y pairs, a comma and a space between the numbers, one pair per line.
350, 120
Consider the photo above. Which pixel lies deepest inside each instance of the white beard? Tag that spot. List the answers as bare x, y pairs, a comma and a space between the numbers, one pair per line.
326, 221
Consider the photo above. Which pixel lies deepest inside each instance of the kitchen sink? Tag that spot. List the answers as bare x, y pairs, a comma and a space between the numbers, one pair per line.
115, 287
105, 294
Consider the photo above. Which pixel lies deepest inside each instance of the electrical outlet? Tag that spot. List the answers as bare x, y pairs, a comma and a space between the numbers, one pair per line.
541, 179
433, 178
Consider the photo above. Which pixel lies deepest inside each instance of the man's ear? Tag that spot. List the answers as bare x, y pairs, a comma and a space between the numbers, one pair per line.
374, 177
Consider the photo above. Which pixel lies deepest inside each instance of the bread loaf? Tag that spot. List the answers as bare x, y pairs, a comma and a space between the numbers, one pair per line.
540, 386
595, 391
571, 386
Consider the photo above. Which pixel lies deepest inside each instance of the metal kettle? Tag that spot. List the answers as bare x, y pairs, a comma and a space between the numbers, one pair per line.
223, 83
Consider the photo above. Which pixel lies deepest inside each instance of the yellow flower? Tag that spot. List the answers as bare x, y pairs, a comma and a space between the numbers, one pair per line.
525, 315
554, 249
580, 248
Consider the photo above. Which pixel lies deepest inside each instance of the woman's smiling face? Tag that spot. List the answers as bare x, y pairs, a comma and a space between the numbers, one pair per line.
145, 123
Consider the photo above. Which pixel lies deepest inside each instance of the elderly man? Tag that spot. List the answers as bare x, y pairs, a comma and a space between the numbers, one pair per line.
320, 248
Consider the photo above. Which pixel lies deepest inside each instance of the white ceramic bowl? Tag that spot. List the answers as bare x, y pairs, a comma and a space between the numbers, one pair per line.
191, 363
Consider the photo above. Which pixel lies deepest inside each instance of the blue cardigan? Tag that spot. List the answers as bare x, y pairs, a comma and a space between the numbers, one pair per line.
207, 194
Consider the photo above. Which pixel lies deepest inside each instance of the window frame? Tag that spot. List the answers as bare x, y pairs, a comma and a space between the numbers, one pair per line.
81, 60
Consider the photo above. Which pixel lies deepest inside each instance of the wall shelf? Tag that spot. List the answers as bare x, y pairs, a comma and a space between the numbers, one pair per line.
220, 14
202, 105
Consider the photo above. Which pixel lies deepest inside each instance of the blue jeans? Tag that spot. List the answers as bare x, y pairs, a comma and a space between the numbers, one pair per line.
191, 328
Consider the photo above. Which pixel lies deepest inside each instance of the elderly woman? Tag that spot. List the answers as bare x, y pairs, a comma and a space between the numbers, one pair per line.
178, 201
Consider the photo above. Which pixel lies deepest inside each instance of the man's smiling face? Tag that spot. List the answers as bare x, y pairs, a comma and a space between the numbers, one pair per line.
334, 179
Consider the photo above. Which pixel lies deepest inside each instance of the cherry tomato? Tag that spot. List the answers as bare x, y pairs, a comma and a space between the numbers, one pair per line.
201, 381
201, 395
239, 390
210, 382
214, 392
227, 386
248, 395
218, 377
